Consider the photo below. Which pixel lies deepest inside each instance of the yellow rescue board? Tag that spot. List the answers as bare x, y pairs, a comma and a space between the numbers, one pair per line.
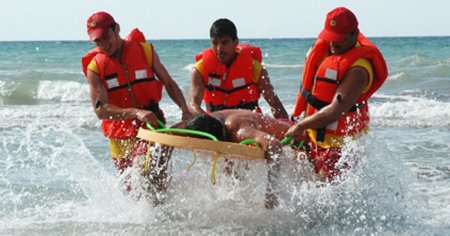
231, 150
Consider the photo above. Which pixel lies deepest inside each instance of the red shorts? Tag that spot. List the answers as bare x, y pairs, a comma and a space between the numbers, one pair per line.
123, 163
324, 160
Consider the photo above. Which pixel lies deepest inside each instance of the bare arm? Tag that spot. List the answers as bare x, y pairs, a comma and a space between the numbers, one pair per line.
349, 91
268, 92
196, 92
269, 143
171, 86
105, 111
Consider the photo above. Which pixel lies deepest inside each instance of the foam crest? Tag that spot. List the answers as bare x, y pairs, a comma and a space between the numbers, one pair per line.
415, 61
48, 116
6, 89
418, 66
64, 91
397, 76
410, 112
188, 67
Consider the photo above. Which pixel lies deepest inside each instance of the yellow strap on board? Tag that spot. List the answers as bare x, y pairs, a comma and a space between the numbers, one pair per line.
193, 162
213, 170
148, 157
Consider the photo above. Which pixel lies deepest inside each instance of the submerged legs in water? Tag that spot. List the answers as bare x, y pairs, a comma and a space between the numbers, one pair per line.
157, 173
154, 163
272, 189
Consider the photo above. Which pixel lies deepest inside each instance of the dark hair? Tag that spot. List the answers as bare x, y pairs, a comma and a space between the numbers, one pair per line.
354, 32
223, 27
113, 26
208, 124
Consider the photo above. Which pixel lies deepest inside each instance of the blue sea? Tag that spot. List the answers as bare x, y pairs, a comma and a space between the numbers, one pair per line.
57, 177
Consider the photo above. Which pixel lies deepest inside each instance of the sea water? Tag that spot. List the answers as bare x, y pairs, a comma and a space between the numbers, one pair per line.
57, 177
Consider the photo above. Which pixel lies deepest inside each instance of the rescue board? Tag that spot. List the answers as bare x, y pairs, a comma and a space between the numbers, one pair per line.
229, 149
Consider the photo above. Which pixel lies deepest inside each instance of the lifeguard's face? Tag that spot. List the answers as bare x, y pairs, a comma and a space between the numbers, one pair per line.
339, 47
225, 49
110, 43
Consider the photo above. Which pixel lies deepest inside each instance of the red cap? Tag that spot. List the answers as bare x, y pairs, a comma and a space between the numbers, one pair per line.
339, 23
98, 24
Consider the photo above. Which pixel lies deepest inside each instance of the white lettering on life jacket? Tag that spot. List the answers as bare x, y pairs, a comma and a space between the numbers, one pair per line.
112, 83
140, 74
331, 74
238, 82
214, 82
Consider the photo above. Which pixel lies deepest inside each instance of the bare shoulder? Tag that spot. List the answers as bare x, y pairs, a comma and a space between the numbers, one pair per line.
235, 119
357, 74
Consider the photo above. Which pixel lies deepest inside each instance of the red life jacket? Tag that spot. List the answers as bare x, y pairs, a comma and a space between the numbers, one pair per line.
233, 87
134, 35
322, 75
134, 71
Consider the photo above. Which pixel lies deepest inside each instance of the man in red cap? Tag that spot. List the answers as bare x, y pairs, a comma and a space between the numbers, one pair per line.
125, 82
342, 70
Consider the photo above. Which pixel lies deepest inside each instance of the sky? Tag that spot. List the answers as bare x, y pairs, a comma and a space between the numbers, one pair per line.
24, 20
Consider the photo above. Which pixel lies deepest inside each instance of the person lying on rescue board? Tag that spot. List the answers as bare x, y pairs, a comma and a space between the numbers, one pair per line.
239, 125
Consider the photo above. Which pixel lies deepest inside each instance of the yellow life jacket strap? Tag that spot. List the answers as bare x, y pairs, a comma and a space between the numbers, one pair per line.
332, 140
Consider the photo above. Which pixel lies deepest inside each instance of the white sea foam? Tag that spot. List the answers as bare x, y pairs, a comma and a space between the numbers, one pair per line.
88, 197
415, 60
6, 89
14, 117
397, 76
22, 73
408, 111
188, 67
64, 91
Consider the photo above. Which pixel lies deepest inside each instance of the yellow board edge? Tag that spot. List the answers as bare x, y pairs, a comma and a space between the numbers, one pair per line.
231, 150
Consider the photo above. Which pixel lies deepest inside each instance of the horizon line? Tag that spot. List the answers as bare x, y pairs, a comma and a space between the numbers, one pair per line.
257, 38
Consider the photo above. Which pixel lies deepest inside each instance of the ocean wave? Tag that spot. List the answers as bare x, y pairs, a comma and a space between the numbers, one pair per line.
415, 60
410, 111
64, 91
283, 66
39, 72
422, 93
34, 92
17, 92
7, 89
188, 67
61, 115
419, 66
397, 76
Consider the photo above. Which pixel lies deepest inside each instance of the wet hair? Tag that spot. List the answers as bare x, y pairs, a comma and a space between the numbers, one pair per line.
223, 27
208, 124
